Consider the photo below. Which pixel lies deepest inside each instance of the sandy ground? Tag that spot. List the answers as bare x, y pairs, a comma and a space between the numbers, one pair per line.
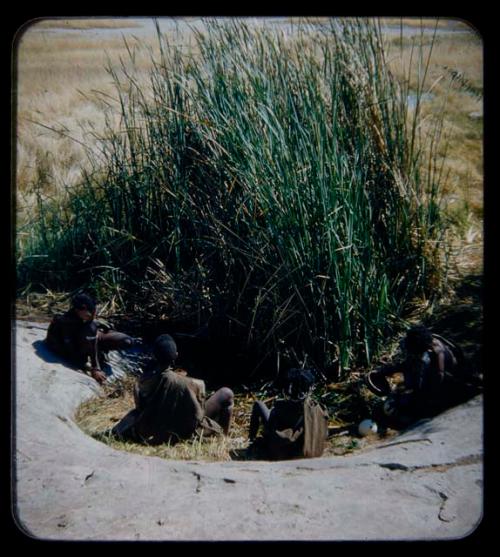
426, 484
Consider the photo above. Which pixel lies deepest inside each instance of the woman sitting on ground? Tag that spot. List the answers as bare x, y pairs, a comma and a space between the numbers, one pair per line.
436, 376
170, 406
296, 426
77, 336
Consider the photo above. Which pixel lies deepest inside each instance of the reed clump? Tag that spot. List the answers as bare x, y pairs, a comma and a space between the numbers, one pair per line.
273, 186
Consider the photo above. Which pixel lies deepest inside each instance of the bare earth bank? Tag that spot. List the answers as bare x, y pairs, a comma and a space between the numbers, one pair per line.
425, 484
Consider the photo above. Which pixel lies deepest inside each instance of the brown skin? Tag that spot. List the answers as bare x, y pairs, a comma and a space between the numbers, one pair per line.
86, 316
98, 375
76, 334
438, 356
220, 406
429, 383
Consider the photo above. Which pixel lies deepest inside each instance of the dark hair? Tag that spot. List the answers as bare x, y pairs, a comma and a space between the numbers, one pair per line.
298, 383
165, 349
418, 339
83, 301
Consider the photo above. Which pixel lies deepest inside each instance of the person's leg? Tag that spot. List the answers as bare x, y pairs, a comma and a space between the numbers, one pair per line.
113, 340
260, 412
85, 344
124, 429
220, 406
409, 408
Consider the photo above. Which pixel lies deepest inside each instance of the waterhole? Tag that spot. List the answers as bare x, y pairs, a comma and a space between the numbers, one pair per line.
347, 404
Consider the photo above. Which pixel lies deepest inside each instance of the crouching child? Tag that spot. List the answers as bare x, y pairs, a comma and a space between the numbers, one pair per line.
295, 427
436, 376
77, 336
171, 406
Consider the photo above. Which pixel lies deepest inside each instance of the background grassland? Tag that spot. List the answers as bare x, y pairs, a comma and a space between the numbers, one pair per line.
66, 104
94, 23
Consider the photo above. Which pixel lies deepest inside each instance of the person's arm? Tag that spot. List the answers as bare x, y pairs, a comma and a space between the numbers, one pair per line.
98, 375
58, 339
260, 414
389, 369
440, 366
91, 337
53, 335
94, 360
137, 396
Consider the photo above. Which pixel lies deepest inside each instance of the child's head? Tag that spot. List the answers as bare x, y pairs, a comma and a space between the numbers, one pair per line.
84, 306
418, 340
165, 350
299, 383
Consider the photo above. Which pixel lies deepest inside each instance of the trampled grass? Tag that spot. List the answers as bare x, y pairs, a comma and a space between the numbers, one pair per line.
279, 186
346, 405
93, 23
98, 415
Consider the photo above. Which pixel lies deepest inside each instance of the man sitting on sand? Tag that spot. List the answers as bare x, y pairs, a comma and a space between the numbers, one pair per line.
78, 337
436, 376
295, 426
170, 406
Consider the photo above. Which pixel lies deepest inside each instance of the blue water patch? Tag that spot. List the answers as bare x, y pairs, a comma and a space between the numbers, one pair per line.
413, 97
127, 362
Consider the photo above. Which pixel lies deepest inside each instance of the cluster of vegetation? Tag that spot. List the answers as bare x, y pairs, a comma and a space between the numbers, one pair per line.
273, 187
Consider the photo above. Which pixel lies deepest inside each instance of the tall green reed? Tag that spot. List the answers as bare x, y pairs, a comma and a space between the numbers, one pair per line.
265, 183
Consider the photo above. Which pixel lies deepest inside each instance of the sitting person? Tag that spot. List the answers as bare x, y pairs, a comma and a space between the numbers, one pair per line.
77, 336
170, 406
436, 376
295, 426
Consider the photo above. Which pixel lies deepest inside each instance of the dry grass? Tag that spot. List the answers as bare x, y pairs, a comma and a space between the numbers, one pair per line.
98, 415
414, 23
427, 22
64, 95
94, 23
59, 114
455, 75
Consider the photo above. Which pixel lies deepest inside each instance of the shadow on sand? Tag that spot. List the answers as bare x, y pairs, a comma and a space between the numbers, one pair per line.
44, 353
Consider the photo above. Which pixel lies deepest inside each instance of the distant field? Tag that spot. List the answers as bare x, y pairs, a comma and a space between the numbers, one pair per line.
55, 72
94, 23
58, 113
442, 23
